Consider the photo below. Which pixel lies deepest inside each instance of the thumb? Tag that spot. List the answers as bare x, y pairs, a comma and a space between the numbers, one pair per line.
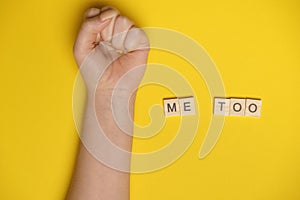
87, 36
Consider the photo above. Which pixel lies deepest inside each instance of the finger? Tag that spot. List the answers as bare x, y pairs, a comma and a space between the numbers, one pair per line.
136, 39
92, 12
105, 8
111, 13
86, 39
121, 27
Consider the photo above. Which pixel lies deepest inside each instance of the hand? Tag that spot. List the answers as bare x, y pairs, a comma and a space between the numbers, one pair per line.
110, 39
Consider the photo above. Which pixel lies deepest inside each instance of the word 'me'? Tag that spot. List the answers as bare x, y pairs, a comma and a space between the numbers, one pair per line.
179, 106
237, 107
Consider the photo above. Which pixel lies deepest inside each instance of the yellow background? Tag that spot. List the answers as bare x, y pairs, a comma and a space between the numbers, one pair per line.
256, 46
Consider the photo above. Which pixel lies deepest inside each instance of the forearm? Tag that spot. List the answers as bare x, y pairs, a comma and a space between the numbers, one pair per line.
113, 110
93, 179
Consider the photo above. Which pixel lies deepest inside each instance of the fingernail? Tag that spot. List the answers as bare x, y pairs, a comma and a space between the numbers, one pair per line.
96, 11
108, 14
106, 8
92, 12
